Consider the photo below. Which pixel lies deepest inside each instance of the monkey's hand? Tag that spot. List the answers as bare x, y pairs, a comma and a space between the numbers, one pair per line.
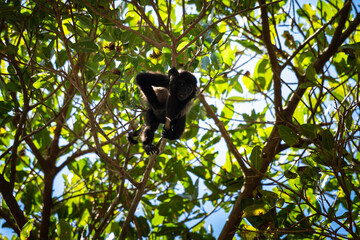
168, 134
151, 149
133, 134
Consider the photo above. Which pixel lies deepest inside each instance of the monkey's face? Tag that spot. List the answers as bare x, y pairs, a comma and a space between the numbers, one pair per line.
184, 91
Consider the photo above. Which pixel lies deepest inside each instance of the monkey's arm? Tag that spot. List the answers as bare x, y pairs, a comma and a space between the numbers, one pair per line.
146, 81
147, 135
177, 127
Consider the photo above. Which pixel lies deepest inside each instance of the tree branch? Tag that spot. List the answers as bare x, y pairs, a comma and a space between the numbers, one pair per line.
20, 126
6, 216
12, 204
147, 20
336, 41
273, 60
225, 135
138, 196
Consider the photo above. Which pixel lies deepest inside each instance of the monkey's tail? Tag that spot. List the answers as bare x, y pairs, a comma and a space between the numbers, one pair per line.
133, 134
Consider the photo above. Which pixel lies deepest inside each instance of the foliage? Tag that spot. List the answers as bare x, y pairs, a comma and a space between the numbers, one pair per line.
272, 141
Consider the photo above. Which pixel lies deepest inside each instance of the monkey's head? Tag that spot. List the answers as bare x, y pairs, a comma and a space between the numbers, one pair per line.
183, 83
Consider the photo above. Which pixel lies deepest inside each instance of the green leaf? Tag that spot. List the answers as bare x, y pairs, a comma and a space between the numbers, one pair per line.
228, 55
217, 39
198, 171
250, 45
311, 73
85, 47
255, 158
233, 184
249, 83
354, 46
249, 232
11, 49
280, 202
308, 130
327, 139
216, 60
25, 231
288, 135
170, 230
85, 20
307, 84
157, 219
143, 225
5, 107
205, 61
349, 120
43, 78
64, 230
290, 175
180, 171
255, 209
269, 197
261, 75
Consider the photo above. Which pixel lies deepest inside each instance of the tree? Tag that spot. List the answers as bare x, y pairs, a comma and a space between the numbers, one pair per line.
273, 136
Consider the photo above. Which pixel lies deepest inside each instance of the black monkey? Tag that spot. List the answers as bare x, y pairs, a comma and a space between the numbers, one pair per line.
166, 97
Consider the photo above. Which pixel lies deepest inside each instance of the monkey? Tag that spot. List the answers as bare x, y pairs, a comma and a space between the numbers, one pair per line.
166, 97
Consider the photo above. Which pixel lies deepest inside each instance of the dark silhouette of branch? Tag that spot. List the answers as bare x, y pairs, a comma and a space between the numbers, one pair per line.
20, 125
138, 196
12, 204
337, 39
6, 216
273, 60
225, 135
155, 30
